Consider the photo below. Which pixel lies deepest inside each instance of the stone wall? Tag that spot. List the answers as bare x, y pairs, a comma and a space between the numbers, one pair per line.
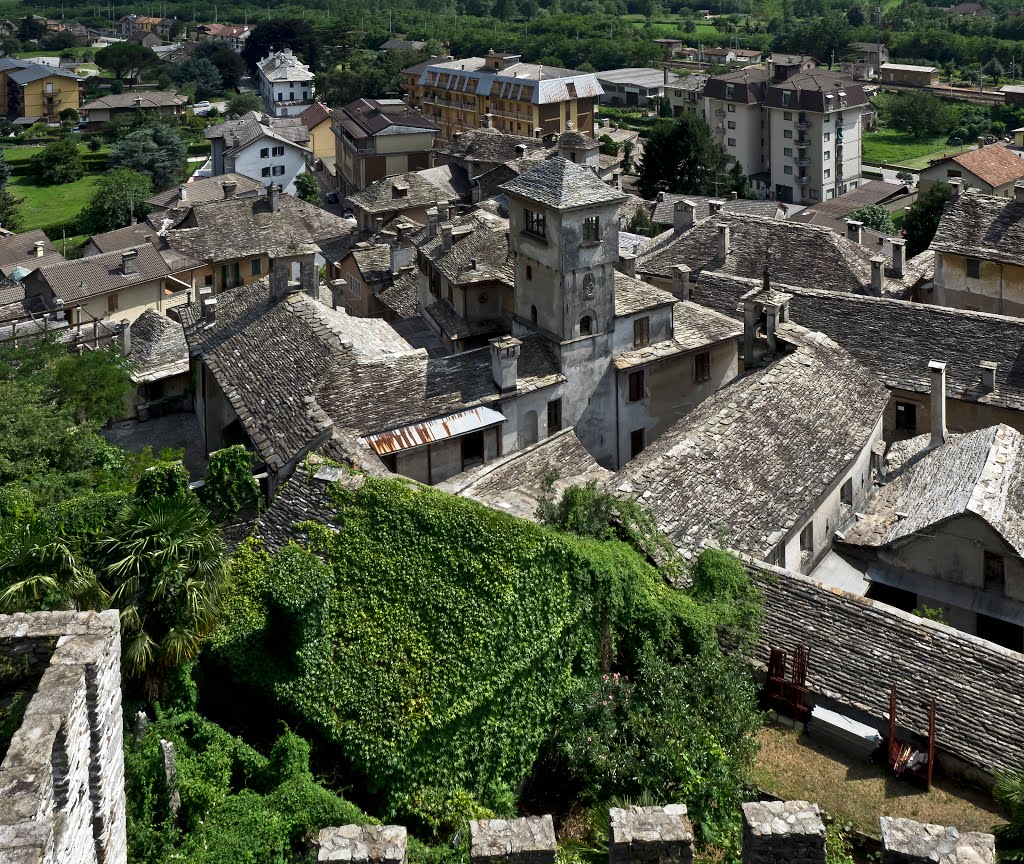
62, 781
783, 832
650, 835
363, 844
528, 840
907, 842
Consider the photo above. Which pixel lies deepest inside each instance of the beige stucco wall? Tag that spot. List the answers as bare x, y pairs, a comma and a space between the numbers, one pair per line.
999, 288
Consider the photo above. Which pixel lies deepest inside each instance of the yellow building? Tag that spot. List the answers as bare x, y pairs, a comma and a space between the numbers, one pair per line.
36, 90
317, 119
501, 92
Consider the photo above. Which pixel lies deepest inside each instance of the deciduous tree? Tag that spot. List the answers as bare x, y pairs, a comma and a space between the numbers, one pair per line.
119, 199
922, 219
155, 150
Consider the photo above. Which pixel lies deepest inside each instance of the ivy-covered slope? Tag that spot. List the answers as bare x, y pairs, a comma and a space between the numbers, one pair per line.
433, 640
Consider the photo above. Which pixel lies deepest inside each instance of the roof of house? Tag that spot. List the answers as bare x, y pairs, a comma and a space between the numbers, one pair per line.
516, 483
982, 226
637, 77
694, 327
20, 250
403, 45
403, 296
158, 348
896, 339
365, 117
252, 126
224, 31
633, 295
816, 90
979, 472
141, 100
36, 72
797, 254
489, 145
284, 66
664, 208
993, 165
455, 327
908, 67
76, 280
749, 463
536, 83
482, 256
314, 115
373, 261
241, 227
411, 190
202, 190
123, 238
562, 185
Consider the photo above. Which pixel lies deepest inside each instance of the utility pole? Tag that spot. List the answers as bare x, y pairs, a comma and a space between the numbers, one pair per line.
981, 78
878, 40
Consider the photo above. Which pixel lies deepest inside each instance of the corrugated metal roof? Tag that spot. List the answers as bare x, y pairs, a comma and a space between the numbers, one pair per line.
431, 431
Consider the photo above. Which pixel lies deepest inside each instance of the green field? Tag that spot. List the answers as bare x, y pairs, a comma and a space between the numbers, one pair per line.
900, 148
48, 205
671, 26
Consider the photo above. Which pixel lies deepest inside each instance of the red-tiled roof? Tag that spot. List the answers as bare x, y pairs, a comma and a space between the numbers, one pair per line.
994, 165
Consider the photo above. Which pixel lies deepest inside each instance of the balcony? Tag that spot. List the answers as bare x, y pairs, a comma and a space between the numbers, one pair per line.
514, 115
802, 125
802, 161
803, 179
720, 129
802, 142
720, 112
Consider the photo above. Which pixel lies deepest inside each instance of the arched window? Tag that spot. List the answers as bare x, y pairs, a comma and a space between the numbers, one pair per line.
529, 273
586, 325
533, 314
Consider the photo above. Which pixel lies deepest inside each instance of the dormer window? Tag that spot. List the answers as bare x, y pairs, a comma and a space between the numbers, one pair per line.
534, 222
728, 91
786, 96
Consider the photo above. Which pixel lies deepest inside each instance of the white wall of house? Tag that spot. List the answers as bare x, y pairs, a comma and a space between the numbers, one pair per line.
269, 160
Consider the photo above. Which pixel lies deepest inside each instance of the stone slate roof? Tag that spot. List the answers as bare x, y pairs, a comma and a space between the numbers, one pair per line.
797, 254
123, 238
978, 472
243, 131
373, 261
150, 99
483, 256
489, 145
572, 140
694, 327
403, 296
752, 460
515, 483
19, 250
993, 165
202, 190
895, 339
382, 196
76, 280
241, 227
454, 326
562, 185
158, 348
982, 226
632, 295
664, 208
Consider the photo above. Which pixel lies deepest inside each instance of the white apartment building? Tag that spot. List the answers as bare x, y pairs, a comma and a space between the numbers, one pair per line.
795, 131
285, 83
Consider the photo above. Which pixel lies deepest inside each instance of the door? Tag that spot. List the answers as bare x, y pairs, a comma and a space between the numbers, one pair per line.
906, 417
472, 450
554, 416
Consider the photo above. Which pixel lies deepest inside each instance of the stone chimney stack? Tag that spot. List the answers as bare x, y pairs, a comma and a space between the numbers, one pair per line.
1018, 193
780, 832
274, 197
128, 261
715, 207
39, 248
681, 286
666, 75
683, 215
230, 187
627, 264
446, 237
182, 192
639, 835
125, 337
937, 369
955, 185
520, 150
854, 231
210, 310
396, 263
899, 256
723, 242
432, 219
988, 375
505, 362
877, 263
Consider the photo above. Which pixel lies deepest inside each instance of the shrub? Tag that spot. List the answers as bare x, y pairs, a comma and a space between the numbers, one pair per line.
58, 162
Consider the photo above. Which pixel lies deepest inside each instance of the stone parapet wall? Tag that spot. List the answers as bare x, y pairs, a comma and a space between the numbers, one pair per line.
783, 832
362, 844
528, 840
62, 781
905, 841
650, 835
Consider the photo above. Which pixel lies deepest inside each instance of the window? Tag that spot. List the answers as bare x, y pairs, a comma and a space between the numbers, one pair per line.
554, 416
814, 194
255, 267
846, 492
291, 95
586, 326
787, 133
995, 573
731, 142
533, 314
826, 118
906, 417
828, 172
730, 108
265, 172
111, 303
636, 443
702, 367
952, 172
278, 170
641, 331
277, 151
305, 94
973, 268
787, 151
786, 97
729, 91
264, 153
827, 136
280, 97
807, 538
636, 386
732, 124
535, 223
529, 273
787, 115
787, 169
49, 87
591, 229
827, 155
830, 193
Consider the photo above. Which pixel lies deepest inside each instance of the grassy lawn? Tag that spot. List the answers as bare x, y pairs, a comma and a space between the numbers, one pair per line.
794, 767
47, 205
899, 148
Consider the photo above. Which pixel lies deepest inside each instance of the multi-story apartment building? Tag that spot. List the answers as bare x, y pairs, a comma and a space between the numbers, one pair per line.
36, 90
795, 130
285, 83
501, 92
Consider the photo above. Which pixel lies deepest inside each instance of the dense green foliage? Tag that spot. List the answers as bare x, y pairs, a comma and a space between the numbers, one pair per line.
119, 199
230, 487
434, 642
1009, 792
307, 188
125, 59
876, 217
918, 113
922, 219
58, 162
155, 150
681, 155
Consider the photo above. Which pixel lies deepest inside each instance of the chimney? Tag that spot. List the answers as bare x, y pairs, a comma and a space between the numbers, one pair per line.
666, 75
446, 237
395, 263
39, 248
505, 362
432, 218
899, 256
627, 264
981, 141
1018, 193
877, 263
854, 231
472, 263
210, 310
128, 261
681, 286
229, 187
125, 337
723, 242
734, 195
988, 375
606, 123
182, 192
683, 216
714, 207
937, 368
955, 184
273, 197
520, 150
138, 101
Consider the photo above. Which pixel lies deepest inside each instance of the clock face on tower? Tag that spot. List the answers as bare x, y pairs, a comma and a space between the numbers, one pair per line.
588, 286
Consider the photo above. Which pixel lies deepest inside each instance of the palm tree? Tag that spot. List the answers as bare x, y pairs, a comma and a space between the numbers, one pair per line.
1009, 791
166, 566
39, 569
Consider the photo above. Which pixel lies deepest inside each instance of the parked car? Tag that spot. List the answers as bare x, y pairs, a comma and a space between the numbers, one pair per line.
201, 108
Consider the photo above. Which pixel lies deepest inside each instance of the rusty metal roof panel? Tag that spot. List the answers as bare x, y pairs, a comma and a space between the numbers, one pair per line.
430, 431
